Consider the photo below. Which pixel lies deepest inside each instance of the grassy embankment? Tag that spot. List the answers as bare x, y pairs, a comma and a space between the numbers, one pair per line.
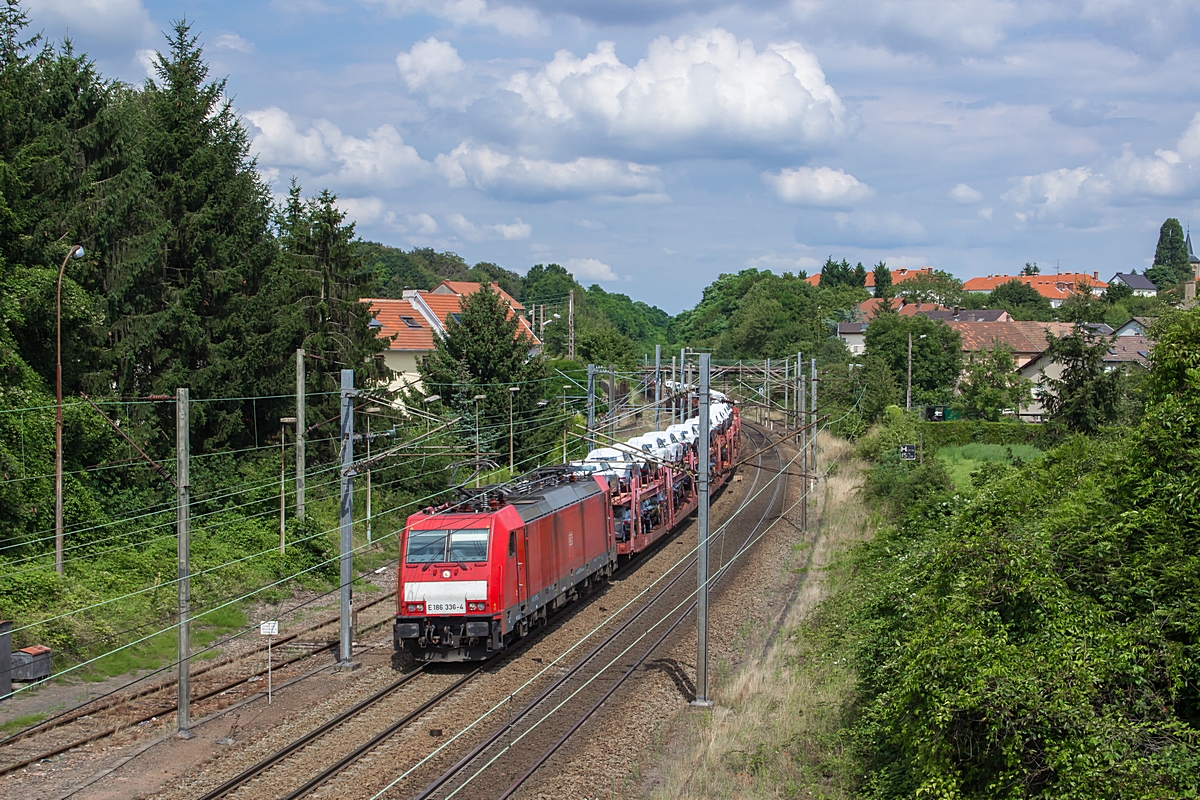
778, 728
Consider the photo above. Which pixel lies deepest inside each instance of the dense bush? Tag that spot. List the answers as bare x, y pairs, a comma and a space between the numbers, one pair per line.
1040, 637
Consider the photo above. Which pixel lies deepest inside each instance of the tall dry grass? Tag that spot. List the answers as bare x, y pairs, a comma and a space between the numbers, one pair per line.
777, 727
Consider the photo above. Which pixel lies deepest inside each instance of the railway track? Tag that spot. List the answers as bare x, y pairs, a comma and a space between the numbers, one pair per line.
104, 718
507, 758
297, 769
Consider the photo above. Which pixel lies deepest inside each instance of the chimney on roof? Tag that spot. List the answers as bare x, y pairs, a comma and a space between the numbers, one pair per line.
956, 312
1096, 275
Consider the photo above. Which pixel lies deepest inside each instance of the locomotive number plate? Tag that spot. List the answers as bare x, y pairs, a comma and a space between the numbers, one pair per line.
446, 607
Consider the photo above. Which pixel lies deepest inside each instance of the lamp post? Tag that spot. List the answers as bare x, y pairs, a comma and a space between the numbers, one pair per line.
76, 251
512, 391
477, 398
283, 423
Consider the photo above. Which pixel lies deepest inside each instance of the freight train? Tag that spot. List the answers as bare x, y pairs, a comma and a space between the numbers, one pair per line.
477, 574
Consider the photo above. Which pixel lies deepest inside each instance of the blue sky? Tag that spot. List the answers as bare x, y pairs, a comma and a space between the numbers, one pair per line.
650, 145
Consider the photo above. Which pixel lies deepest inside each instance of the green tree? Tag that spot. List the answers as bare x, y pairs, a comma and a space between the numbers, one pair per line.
1083, 305
1086, 396
1020, 300
939, 287
936, 353
1031, 268
1171, 265
482, 353
991, 385
1117, 292
883, 281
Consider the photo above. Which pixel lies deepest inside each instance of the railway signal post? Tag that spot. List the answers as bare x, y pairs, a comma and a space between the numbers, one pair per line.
702, 470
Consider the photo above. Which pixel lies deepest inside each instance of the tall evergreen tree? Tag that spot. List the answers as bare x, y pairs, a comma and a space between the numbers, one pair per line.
883, 280
1171, 265
176, 303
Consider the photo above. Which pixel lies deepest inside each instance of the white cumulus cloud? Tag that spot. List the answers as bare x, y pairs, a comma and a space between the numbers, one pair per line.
589, 269
478, 233
380, 159
965, 195
817, 187
493, 171
363, 210
421, 224
1056, 193
231, 41
428, 62
710, 91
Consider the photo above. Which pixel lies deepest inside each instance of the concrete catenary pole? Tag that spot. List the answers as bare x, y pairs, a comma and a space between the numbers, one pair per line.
702, 470
183, 529
767, 397
301, 433
346, 515
812, 439
657, 384
674, 391
591, 407
571, 324
805, 431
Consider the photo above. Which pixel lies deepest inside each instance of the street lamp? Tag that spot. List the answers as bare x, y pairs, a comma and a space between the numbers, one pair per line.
477, 398
283, 423
512, 391
76, 251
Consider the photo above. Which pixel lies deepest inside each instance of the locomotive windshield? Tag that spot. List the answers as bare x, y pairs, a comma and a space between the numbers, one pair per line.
438, 547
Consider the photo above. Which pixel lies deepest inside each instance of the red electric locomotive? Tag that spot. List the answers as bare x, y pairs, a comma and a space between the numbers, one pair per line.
478, 574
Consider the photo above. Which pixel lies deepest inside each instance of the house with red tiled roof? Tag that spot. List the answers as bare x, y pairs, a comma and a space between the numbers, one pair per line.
867, 309
1027, 340
411, 323
1055, 288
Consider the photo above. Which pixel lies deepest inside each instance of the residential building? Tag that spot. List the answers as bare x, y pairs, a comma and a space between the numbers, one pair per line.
1027, 340
1125, 352
898, 276
411, 323
869, 308
969, 315
1137, 326
854, 336
1140, 284
1055, 288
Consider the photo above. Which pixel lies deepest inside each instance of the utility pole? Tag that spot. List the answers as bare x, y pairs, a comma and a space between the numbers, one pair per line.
301, 433
566, 422
591, 407
657, 383
346, 520
571, 324
183, 530
702, 470
612, 402
283, 423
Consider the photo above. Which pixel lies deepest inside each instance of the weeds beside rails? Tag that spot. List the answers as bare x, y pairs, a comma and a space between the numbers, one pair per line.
779, 721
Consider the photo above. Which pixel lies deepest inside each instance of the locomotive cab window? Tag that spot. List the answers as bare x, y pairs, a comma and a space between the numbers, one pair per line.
438, 547
512, 543
468, 545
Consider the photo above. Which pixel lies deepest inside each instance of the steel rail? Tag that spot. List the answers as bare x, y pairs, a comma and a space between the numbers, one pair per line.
159, 711
684, 569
